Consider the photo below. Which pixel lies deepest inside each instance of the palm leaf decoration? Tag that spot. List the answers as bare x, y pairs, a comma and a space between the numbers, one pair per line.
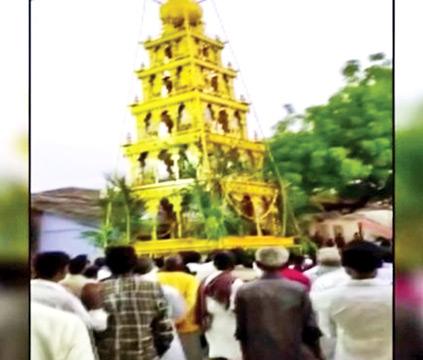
122, 215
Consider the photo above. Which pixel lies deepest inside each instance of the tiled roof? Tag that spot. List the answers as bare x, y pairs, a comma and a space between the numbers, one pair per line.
74, 203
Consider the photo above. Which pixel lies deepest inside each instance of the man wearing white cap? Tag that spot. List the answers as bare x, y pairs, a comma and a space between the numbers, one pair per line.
274, 316
328, 260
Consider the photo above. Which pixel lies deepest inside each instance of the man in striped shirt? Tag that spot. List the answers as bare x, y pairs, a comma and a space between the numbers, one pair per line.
138, 324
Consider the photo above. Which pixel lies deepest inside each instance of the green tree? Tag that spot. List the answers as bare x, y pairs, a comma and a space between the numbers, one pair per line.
409, 193
14, 214
13, 221
341, 149
122, 214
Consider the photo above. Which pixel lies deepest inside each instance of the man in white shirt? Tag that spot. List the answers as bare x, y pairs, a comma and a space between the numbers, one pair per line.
244, 265
202, 270
330, 280
50, 268
328, 260
340, 277
358, 313
58, 335
215, 308
74, 280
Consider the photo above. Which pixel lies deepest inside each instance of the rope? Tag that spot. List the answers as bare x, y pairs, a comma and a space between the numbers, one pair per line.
255, 114
197, 99
121, 135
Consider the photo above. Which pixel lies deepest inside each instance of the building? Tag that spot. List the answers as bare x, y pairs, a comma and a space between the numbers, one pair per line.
59, 217
373, 222
192, 128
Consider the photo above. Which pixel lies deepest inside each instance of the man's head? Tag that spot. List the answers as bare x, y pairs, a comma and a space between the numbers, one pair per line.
328, 256
240, 255
100, 262
329, 243
159, 262
356, 236
144, 265
91, 272
211, 255
173, 263
190, 257
51, 266
361, 259
271, 259
384, 243
296, 259
121, 260
387, 255
224, 260
78, 264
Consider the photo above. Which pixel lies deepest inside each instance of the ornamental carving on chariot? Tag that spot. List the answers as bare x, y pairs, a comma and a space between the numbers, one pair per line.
192, 148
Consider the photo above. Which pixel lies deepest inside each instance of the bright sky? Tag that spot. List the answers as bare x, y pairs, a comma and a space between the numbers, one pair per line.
84, 54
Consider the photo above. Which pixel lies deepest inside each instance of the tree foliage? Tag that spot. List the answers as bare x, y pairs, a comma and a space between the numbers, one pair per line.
216, 218
121, 218
409, 193
212, 217
342, 149
13, 221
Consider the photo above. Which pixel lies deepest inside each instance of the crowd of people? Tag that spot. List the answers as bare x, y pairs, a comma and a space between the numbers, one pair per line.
225, 305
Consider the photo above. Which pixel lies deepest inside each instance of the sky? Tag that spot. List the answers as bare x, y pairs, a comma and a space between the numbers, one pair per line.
84, 54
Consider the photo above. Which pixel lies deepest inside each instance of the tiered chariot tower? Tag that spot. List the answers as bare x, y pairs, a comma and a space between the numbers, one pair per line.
192, 127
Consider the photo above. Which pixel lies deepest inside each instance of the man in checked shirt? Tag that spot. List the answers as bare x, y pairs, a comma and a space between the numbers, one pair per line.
138, 327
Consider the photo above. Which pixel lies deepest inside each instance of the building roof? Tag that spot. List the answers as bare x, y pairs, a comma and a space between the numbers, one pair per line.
79, 204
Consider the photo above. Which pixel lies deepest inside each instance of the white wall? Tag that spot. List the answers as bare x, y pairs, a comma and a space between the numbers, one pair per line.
60, 234
349, 226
